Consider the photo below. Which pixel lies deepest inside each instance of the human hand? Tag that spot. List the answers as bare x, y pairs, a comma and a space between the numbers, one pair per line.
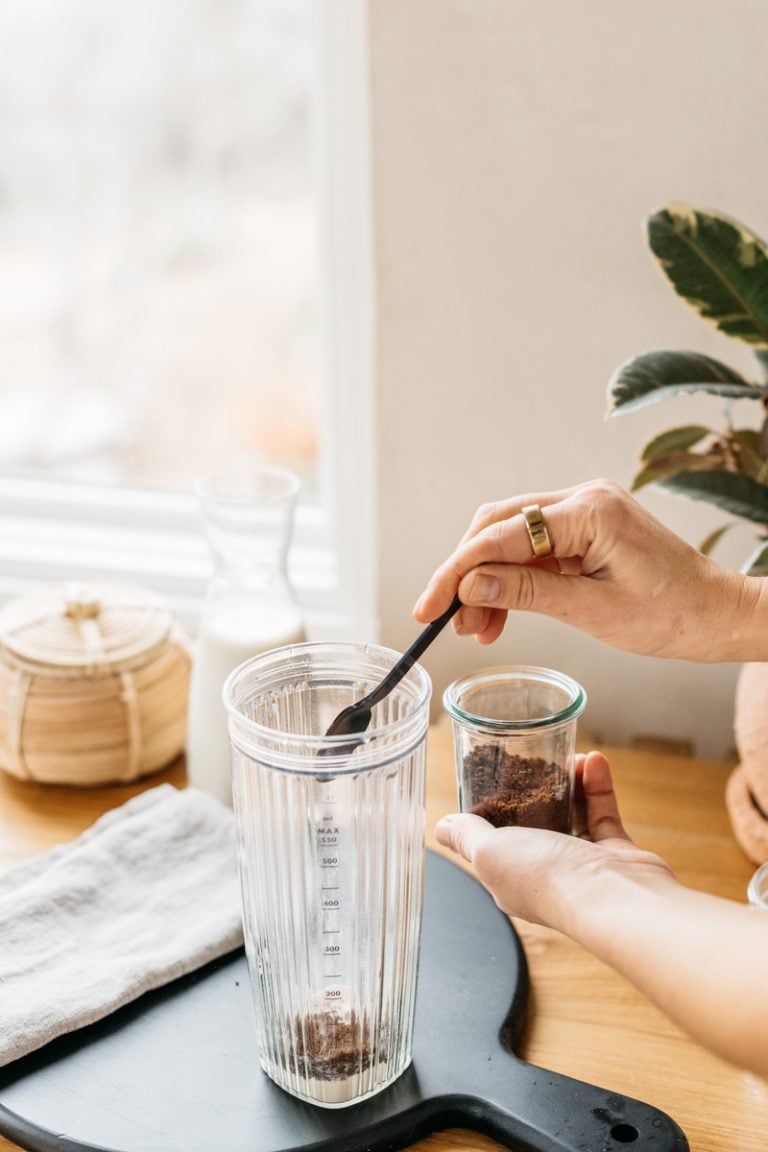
616, 572
625, 906
544, 876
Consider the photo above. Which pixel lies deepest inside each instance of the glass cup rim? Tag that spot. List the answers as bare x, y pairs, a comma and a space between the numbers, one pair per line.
398, 733
511, 673
756, 895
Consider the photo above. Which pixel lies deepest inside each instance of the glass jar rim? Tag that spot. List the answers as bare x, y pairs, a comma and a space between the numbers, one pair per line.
284, 484
756, 894
511, 673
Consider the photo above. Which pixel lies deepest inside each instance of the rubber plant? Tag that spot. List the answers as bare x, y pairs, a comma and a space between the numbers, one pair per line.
720, 268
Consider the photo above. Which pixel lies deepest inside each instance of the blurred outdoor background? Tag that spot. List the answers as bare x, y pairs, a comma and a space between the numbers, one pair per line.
157, 237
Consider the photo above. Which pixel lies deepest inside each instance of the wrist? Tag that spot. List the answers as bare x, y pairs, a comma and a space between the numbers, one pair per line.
589, 905
744, 637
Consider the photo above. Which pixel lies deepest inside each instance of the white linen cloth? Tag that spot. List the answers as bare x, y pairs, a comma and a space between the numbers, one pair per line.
148, 893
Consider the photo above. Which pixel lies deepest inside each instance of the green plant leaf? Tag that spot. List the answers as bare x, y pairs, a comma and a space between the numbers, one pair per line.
740, 495
709, 542
746, 443
652, 376
747, 438
674, 440
717, 265
657, 470
756, 563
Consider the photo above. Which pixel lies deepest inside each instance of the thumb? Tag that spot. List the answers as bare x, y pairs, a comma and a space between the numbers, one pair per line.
602, 809
463, 833
526, 588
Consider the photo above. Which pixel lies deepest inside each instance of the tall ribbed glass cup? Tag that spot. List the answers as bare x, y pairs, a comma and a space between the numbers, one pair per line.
331, 849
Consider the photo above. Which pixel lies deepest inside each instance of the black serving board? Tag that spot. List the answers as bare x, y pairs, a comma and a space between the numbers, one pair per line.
178, 1070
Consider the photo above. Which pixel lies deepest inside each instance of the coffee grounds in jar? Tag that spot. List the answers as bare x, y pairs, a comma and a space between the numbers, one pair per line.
516, 790
332, 1047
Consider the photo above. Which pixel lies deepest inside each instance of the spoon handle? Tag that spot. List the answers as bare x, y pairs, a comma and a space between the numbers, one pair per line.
411, 655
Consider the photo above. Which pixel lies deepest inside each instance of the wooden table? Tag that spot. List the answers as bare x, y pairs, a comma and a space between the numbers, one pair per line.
585, 1021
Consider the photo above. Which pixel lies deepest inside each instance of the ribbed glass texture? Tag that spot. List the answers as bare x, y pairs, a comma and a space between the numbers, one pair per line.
757, 891
331, 849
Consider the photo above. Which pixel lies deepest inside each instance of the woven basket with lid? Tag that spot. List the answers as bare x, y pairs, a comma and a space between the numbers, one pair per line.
93, 685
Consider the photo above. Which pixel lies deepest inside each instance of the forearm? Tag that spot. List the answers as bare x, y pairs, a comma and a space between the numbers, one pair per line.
697, 957
700, 959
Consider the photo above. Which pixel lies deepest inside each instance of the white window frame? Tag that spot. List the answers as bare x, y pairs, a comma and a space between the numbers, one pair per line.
58, 530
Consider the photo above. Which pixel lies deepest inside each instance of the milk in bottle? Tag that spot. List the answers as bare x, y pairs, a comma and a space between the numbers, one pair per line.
249, 607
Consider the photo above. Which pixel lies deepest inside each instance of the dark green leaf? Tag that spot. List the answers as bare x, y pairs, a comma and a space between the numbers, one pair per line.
746, 444
663, 466
709, 542
740, 495
674, 440
652, 376
747, 438
717, 265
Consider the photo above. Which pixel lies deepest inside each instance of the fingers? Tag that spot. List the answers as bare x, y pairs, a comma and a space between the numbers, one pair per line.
532, 588
498, 543
602, 811
463, 833
579, 820
522, 868
490, 521
497, 538
582, 523
484, 623
596, 812
501, 510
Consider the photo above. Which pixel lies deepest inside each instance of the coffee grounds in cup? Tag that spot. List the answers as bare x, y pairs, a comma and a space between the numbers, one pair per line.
333, 1047
516, 790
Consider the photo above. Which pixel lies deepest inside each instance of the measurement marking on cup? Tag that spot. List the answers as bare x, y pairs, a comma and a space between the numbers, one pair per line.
329, 835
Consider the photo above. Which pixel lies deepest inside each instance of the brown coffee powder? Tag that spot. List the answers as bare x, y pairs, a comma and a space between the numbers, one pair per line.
507, 789
333, 1047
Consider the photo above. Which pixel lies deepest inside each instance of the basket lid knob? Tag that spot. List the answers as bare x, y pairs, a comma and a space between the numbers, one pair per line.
81, 601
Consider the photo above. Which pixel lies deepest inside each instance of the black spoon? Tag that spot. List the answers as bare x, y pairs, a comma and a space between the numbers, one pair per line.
356, 717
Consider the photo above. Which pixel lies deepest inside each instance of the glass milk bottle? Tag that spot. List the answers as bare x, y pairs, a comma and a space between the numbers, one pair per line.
249, 607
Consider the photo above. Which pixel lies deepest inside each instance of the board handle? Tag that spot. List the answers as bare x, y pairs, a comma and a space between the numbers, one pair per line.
555, 1113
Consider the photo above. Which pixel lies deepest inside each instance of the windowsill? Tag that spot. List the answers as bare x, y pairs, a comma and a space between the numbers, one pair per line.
51, 533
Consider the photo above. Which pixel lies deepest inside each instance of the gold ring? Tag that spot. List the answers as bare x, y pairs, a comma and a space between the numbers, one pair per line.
537, 531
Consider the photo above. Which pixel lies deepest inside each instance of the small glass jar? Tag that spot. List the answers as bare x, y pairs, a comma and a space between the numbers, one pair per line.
514, 732
757, 890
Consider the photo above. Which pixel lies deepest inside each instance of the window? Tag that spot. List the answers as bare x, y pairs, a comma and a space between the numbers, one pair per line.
184, 275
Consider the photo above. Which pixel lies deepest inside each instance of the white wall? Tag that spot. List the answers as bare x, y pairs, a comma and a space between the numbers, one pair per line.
516, 150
